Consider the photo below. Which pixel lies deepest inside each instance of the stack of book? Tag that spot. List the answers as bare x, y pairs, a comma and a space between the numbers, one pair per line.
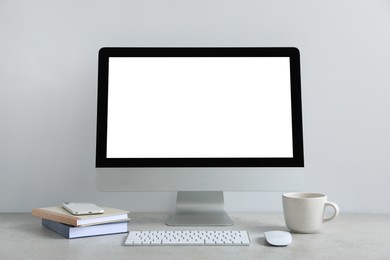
112, 221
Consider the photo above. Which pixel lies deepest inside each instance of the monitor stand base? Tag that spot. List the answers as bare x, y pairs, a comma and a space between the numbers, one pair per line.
200, 208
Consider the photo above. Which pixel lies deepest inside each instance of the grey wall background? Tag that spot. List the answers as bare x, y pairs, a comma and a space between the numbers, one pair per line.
48, 76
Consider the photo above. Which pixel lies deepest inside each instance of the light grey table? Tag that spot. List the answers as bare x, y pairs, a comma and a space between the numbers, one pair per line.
347, 237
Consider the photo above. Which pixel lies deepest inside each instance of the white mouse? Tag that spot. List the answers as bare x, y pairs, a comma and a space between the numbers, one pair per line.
278, 238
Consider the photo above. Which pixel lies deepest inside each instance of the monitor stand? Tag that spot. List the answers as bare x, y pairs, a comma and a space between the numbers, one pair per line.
200, 208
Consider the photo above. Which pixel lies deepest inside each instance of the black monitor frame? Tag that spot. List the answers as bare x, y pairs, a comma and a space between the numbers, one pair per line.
102, 104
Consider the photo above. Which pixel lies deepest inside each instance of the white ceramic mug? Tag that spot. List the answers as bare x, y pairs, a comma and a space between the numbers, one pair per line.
305, 212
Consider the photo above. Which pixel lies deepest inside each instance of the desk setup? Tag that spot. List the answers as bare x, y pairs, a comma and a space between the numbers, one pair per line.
349, 236
201, 121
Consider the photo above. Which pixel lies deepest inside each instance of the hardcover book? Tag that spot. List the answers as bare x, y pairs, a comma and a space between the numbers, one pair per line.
59, 214
86, 231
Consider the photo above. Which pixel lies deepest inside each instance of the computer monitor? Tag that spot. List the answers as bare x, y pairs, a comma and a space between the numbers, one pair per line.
199, 121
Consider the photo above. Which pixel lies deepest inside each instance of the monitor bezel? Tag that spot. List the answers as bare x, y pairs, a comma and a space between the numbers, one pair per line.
102, 104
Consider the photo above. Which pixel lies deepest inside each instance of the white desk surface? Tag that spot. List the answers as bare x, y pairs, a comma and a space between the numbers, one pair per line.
347, 237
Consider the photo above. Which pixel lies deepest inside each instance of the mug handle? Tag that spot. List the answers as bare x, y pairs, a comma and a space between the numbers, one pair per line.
335, 208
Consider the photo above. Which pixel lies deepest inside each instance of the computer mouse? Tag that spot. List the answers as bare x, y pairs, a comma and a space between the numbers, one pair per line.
278, 238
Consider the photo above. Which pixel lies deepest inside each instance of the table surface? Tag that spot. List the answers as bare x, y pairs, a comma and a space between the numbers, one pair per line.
349, 236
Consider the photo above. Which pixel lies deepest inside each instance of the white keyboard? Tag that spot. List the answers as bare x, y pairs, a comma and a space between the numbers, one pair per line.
188, 238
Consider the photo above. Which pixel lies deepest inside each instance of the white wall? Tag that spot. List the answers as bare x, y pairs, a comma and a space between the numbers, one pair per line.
48, 76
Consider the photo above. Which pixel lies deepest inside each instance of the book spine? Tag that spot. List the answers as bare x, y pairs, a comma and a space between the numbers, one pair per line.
59, 228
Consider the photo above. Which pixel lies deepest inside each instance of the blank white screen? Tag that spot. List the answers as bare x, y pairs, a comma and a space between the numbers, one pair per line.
199, 107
